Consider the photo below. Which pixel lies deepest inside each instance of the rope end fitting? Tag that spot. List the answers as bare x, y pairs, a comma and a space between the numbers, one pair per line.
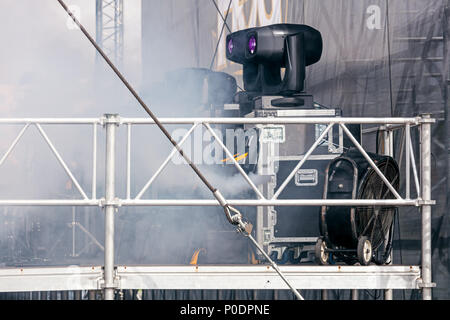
235, 219
226, 208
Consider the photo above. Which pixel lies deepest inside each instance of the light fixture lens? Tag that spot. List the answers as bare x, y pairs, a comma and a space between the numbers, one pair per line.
252, 44
230, 46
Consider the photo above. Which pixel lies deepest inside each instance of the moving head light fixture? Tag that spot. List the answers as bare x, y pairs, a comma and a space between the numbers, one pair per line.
264, 51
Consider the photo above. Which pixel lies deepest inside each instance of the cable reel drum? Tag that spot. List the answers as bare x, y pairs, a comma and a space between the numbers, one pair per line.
357, 234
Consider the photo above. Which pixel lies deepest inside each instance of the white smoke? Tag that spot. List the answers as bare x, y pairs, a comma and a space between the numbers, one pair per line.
48, 69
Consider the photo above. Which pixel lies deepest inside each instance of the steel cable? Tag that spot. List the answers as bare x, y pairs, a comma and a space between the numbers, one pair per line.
237, 218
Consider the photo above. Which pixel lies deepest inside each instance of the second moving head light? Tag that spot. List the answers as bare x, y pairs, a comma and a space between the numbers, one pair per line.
264, 51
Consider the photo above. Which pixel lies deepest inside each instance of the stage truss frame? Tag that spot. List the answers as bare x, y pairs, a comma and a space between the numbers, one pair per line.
111, 277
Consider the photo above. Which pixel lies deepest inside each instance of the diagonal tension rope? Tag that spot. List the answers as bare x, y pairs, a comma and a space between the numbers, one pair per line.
235, 219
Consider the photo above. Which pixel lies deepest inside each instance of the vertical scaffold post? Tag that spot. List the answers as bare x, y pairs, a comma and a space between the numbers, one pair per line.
110, 124
389, 151
425, 139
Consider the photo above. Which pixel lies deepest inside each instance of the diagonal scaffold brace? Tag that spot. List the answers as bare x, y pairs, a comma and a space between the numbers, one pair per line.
236, 218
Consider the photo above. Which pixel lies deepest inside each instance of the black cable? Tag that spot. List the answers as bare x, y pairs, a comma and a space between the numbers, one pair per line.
138, 98
224, 19
220, 36
229, 30
221, 33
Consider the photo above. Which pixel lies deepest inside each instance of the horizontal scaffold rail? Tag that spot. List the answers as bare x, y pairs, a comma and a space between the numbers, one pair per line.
279, 120
260, 120
228, 277
213, 202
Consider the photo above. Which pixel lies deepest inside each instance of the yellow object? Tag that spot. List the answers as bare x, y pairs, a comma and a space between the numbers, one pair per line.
226, 159
252, 259
237, 157
194, 258
243, 156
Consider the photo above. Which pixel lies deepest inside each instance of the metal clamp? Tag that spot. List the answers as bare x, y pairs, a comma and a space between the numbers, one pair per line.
426, 118
101, 281
101, 284
422, 202
110, 118
421, 284
115, 203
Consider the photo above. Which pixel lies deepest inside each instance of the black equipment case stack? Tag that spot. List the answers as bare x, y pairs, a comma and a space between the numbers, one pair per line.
289, 233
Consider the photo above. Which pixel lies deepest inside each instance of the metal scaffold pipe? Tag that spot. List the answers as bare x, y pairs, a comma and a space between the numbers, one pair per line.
425, 140
109, 207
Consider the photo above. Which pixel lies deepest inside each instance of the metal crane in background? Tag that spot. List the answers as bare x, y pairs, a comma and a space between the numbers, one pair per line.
110, 28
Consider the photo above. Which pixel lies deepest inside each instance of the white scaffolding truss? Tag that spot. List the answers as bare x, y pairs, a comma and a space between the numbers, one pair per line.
110, 277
